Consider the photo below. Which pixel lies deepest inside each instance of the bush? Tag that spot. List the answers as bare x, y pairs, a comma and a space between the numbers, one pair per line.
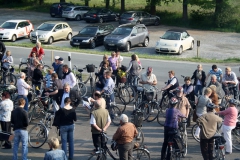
237, 29
201, 19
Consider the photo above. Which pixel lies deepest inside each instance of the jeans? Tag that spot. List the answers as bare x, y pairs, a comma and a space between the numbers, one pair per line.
26, 102
20, 135
67, 136
227, 130
125, 151
109, 99
207, 148
228, 87
198, 89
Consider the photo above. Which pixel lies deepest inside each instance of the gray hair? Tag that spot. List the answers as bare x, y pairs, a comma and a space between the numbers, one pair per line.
22, 74
214, 76
53, 143
66, 85
124, 118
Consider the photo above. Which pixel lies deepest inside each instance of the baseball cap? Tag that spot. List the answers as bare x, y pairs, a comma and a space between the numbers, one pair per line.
60, 59
57, 57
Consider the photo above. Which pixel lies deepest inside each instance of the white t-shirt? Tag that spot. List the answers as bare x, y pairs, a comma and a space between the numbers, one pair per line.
150, 78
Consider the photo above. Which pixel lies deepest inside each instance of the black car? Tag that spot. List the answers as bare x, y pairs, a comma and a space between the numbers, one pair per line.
100, 15
137, 17
91, 35
57, 8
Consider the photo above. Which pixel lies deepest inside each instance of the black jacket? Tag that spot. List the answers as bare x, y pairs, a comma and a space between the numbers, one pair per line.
194, 76
37, 76
60, 71
2, 49
74, 96
19, 119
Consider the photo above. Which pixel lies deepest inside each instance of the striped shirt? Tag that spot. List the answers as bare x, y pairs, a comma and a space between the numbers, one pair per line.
48, 79
218, 73
172, 115
109, 86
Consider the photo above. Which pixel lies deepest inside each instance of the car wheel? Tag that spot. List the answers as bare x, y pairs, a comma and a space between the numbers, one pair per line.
192, 45
14, 37
180, 50
93, 44
146, 42
138, 22
100, 20
78, 18
67, 19
127, 48
69, 36
157, 22
52, 15
50, 40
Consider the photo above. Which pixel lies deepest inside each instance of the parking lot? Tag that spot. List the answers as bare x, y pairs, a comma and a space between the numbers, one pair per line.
214, 45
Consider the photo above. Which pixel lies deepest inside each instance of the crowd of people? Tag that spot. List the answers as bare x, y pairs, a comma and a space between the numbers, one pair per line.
59, 83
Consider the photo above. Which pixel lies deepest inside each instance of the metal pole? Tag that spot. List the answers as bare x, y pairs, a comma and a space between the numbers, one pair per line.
52, 56
197, 51
69, 59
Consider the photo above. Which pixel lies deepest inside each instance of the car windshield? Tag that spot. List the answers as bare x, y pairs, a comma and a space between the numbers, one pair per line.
171, 35
46, 27
122, 31
88, 31
9, 25
93, 11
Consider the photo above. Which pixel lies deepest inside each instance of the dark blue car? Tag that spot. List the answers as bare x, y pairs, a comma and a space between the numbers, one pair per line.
57, 8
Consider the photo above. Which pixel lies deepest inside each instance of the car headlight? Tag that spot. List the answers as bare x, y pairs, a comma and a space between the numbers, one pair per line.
87, 41
42, 36
7, 33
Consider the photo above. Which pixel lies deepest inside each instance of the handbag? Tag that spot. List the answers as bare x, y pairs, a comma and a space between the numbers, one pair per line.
57, 118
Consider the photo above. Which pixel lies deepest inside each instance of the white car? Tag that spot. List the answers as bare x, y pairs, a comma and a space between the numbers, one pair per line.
14, 29
174, 41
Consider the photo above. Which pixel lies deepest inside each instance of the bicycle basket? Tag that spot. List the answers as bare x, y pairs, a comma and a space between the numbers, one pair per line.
137, 118
90, 68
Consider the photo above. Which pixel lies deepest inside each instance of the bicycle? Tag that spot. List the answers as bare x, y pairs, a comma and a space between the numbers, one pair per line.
183, 134
101, 154
7, 77
39, 133
137, 119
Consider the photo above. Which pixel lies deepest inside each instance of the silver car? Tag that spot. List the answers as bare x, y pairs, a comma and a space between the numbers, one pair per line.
75, 12
51, 31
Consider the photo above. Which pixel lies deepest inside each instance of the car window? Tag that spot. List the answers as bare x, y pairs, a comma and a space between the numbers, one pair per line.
21, 25
126, 14
94, 11
171, 35
58, 27
109, 27
138, 14
101, 29
77, 9
65, 26
68, 9
122, 31
134, 31
109, 11
144, 29
185, 35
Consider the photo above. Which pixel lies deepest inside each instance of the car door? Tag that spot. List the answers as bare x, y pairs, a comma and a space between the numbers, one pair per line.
20, 29
66, 30
133, 37
184, 40
77, 11
111, 15
58, 32
104, 14
100, 35
140, 34
28, 28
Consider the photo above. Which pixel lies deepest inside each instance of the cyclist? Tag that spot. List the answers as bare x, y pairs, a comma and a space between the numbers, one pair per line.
215, 71
171, 84
38, 50
230, 120
134, 69
171, 124
230, 81
217, 84
208, 123
7, 60
199, 77
148, 80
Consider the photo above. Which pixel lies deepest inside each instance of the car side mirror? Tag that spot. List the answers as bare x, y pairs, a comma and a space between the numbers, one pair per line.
133, 34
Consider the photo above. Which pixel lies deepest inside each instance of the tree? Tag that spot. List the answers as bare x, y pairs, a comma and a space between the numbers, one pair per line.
107, 3
122, 6
185, 10
86, 2
62, 1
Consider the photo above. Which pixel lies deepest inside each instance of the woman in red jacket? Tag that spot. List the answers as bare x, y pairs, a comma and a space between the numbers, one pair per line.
38, 50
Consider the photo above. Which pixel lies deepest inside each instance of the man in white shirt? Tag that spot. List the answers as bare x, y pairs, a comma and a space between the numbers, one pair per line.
23, 87
229, 82
68, 77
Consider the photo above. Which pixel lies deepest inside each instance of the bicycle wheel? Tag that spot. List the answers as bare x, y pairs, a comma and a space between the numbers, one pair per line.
221, 155
184, 138
164, 103
23, 67
115, 114
161, 117
10, 79
82, 88
98, 156
124, 95
38, 135
140, 137
30, 113
121, 106
45, 68
144, 107
236, 139
194, 128
37, 111
140, 154
152, 111
132, 93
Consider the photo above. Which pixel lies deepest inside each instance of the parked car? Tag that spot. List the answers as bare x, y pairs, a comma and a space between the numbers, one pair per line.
137, 17
91, 35
57, 8
48, 32
75, 12
174, 41
126, 36
14, 29
100, 15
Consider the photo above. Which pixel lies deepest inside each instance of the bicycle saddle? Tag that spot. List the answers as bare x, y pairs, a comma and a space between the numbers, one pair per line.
80, 70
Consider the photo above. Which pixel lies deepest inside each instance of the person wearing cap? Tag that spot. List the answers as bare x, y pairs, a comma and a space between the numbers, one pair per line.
55, 63
171, 124
54, 152
68, 76
199, 77
172, 83
229, 123
124, 137
230, 82
59, 70
209, 126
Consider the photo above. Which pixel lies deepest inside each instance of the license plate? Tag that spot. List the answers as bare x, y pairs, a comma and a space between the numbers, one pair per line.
111, 44
163, 49
76, 43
